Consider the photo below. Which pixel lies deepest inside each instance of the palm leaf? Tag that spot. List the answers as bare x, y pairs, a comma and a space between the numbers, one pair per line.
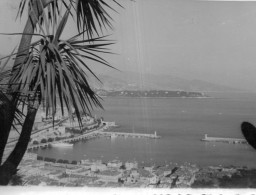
92, 14
55, 70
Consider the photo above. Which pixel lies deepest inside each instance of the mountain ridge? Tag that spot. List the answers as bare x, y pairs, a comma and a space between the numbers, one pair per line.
135, 81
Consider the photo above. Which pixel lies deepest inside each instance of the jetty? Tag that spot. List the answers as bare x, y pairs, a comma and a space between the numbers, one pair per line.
137, 135
223, 139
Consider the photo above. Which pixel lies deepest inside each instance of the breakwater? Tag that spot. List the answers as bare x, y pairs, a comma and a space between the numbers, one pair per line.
138, 135
223, 139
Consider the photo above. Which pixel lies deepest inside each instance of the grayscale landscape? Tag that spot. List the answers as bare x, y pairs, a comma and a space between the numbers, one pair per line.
128, 94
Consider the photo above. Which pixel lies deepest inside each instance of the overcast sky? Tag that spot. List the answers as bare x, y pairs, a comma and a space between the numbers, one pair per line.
206, 40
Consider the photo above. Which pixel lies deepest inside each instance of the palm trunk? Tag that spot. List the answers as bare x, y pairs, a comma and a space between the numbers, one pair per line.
9, 167
7, 107
7, 112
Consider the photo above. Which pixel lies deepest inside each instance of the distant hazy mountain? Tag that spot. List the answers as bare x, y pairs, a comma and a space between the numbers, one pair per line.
116, 80
135, 81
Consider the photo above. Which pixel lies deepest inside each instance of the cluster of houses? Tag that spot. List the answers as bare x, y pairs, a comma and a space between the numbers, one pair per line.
212, 173
128, 174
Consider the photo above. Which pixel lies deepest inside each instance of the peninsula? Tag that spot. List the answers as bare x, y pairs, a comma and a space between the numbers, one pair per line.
152, 94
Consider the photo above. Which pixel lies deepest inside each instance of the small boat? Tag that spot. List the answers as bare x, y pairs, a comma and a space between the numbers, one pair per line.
62, 145
113, 136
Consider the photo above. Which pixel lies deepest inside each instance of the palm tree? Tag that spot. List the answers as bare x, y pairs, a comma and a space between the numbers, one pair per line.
50, 68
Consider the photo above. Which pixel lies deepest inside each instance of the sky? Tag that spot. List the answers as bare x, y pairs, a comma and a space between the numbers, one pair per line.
214, 41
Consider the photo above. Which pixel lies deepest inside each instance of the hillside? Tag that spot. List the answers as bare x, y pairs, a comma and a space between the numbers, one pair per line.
135, 81
151, 93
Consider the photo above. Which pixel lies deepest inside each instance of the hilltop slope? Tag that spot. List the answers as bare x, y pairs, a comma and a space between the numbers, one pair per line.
135, 81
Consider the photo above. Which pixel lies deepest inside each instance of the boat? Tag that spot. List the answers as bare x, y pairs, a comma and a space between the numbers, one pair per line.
62, 145
113, 136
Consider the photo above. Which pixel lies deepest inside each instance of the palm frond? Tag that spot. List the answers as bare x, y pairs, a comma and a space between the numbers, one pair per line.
93, 14
55, 71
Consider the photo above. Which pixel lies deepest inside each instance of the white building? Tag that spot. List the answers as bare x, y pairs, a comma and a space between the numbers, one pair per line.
62, 130
135, 174
115, 164
154, 180
131, 180
131, 165
98, 167
70, 171
149, 168
110, 176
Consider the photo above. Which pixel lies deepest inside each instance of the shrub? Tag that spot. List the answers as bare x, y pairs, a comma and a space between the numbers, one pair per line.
40, 158
43, 141
60, 161
65, 161
47, 159
35, 142
53, 160
57, 138
74, 162
50, 139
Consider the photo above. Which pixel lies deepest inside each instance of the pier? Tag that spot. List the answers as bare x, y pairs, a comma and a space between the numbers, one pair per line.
223, 139
137, 135
94, 133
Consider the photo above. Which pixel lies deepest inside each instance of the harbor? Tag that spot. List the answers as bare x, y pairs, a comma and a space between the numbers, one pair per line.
223, 139
88, 134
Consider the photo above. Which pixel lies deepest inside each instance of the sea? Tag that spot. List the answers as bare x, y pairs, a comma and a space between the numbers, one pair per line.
181, 123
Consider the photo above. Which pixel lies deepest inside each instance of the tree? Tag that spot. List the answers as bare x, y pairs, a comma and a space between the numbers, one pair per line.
50, 139
57, 139
35, 142
74, 162
40, 158
51, 68
43, 141
65, 161
60, 161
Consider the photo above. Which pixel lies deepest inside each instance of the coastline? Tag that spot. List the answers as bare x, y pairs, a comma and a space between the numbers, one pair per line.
127, 97
119, 174
35, 170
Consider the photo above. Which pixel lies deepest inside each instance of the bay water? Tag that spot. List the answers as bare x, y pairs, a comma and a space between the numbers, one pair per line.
181, 123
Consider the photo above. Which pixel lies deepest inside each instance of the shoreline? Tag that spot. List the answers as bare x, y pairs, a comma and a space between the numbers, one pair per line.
126, 97
36, 170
